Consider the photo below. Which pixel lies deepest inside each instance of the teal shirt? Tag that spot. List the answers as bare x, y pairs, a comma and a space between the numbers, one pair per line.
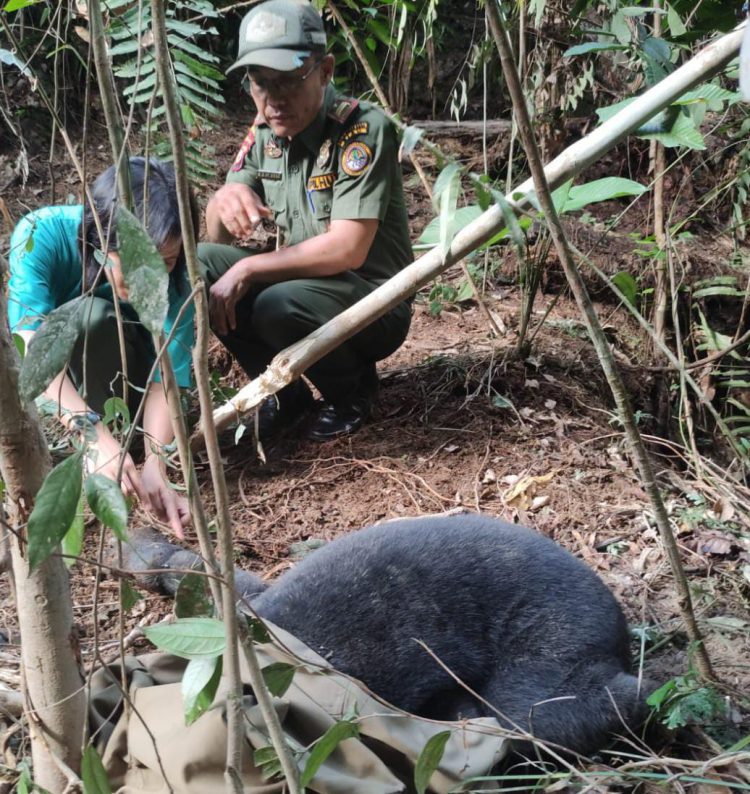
46, 271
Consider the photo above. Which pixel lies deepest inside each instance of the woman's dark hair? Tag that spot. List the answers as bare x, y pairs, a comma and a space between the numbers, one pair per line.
152, 182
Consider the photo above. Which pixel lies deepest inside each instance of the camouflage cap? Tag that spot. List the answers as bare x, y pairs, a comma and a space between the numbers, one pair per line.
280, 34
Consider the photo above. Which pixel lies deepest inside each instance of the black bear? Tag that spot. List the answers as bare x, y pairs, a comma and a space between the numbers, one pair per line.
515, 617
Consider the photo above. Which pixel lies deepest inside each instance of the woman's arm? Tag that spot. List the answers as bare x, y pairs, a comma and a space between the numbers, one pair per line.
105, 451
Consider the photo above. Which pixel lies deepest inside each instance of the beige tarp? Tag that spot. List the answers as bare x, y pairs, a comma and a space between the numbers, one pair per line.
153, 745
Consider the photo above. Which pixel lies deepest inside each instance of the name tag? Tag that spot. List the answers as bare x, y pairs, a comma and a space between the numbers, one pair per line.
274, 176
321, 182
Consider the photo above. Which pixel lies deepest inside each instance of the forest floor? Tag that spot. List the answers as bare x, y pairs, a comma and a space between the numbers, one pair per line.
463, 422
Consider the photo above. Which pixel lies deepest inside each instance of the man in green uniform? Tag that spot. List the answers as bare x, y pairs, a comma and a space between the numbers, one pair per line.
325, 169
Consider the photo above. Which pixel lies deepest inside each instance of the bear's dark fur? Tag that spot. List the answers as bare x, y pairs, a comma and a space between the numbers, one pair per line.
513, 615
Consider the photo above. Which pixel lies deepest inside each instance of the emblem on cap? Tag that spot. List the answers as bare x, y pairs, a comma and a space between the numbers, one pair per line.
265, 26
324, 153
272, 149
356, 158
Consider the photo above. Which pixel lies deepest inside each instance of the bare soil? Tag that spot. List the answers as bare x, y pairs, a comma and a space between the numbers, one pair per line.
463, 422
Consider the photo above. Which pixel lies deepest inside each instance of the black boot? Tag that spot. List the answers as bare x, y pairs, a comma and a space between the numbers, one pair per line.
282, 411
345, 416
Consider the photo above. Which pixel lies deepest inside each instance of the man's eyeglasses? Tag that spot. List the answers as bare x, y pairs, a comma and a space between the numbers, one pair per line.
279, 86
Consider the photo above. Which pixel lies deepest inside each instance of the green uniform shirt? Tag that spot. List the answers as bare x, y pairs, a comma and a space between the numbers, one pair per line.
344, 166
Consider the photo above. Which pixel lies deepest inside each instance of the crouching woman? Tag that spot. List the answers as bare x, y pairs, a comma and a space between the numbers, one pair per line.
55, 256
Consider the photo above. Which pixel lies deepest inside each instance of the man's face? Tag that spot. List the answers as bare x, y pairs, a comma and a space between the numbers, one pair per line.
290, 101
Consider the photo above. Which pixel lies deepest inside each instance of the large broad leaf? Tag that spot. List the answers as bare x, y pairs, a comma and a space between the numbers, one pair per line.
610, 187
189, 638
429, 760
199, 684
592, 46
144, 272
430, 237
93, 775
107, 503
278, 677
50, 349
72, 542
55, 508
327, 743
17, 5
682, 133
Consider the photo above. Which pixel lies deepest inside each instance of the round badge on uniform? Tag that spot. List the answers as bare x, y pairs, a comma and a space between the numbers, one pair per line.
356, 158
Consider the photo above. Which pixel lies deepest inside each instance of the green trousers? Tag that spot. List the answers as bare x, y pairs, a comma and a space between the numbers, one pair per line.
102, 366
271, 317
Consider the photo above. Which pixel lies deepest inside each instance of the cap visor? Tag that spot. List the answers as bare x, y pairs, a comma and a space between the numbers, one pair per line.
282, 60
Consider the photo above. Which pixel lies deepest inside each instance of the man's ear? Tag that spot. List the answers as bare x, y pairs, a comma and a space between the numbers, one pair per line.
326, 68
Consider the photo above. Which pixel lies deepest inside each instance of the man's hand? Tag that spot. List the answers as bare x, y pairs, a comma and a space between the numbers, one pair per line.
167, 504
238, 208
224, 296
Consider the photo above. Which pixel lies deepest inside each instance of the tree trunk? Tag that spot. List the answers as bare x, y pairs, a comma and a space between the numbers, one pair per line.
55, 703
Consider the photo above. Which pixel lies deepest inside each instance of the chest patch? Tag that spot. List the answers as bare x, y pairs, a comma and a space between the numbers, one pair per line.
321, 182
362, 128
356, 158
247, 145
274, 176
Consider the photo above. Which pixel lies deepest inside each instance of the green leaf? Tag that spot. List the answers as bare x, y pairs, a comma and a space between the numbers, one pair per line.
17, 5
682, 133
94, 777
199, 684
189, 638
55, 508
129, 596
192, 599
592, 46
258, 631
676, 27
20, 344
465, 292
605, 189
560, 196
72, 542
430, 237
49, 350
116, 410
278, 677
429, 760
327, 743
627, 285
144, 272
657, 698
268, 761
411, 136
107, 503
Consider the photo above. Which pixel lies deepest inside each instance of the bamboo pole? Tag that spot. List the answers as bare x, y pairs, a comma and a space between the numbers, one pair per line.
606, 357
294, 360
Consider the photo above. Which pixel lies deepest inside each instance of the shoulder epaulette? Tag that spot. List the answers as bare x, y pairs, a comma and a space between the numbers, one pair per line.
247, 145
342, 108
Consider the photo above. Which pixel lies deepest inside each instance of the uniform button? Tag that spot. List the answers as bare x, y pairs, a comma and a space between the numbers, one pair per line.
294, 169
296, 213
326, 206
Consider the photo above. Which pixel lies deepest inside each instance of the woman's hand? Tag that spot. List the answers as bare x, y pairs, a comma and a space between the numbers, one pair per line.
105, 454
169, 506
